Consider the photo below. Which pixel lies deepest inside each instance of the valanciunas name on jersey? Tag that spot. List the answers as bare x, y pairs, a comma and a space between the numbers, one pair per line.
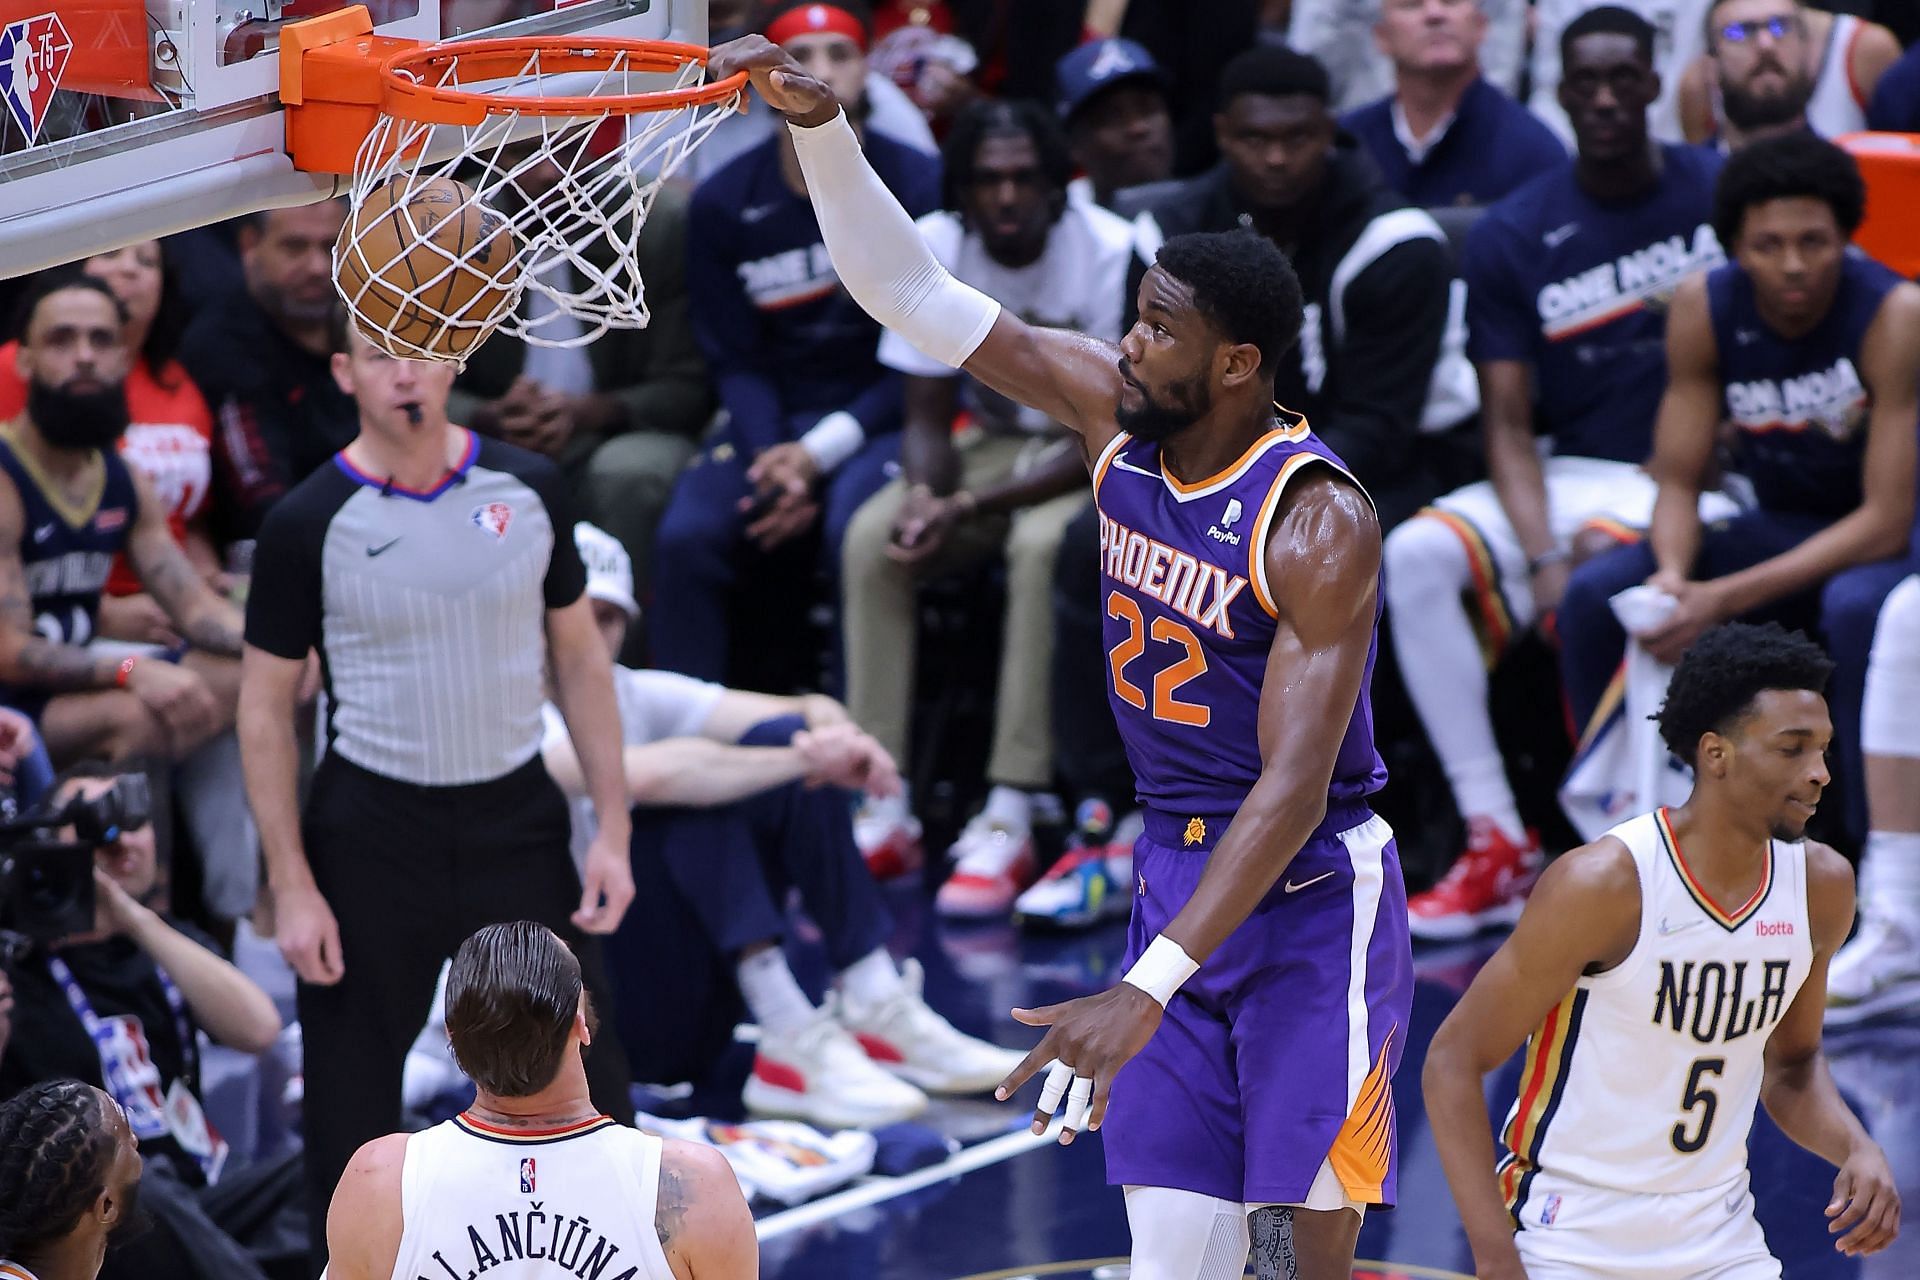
534, 1234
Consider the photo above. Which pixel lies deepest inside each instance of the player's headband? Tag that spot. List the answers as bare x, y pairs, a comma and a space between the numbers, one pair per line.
810, 19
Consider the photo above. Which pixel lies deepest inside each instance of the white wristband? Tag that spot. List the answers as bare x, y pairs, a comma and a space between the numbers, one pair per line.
832, 440
1161, 969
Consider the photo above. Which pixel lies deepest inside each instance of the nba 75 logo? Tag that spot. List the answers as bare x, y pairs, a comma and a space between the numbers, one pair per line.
33, 57
526, 1174
493, 518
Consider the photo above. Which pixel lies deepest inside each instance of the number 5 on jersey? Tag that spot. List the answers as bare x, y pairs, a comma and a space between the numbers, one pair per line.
1168, 679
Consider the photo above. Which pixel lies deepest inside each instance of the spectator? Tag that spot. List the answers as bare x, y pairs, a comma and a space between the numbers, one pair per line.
875, 100
260, 359
26, 774
1376, 275
1446, 135
1679, 35
1363, 71
1878, 973
813, 417
1567, 280
1113, 98
1812, 354
68, 505
431, 570
620, 415
169, 435
69, 1175
1006, 486
1776, 65
1895, 106
741, 797
122, 1007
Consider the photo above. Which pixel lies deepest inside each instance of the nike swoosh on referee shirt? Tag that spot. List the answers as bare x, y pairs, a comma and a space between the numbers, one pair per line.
374, 551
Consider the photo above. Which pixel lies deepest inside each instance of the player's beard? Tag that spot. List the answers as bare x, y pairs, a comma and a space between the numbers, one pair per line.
1156, 419
1746, 110
78, 419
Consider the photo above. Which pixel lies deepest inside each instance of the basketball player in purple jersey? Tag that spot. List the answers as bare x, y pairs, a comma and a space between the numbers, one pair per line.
1241, 580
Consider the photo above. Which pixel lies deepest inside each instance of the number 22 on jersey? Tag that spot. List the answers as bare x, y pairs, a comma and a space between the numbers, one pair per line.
1167, 680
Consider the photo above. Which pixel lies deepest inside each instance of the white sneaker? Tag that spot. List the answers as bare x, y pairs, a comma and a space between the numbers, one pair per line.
992, 865
1877, 973
905, 1036
820, 1074
888, 837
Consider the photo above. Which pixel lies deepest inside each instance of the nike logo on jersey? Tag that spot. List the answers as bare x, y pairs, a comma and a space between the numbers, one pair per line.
44, 532
374, 551
1296, 886
1559, 235
1667, 926
755, 212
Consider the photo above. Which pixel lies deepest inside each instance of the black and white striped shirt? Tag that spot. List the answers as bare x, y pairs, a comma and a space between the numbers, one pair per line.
428, 608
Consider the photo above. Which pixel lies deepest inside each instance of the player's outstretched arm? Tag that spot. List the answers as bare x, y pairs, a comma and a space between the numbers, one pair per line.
879, 255
1584, 914
365, 1222
1798, 1090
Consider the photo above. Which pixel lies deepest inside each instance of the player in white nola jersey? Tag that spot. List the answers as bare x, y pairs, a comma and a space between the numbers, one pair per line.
530, 1182
1666, 978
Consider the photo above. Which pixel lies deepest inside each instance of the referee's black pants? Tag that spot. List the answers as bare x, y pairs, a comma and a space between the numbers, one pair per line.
410, 872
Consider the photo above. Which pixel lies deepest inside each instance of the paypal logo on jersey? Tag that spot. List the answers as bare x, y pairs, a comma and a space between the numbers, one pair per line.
1831, 400
1219, 532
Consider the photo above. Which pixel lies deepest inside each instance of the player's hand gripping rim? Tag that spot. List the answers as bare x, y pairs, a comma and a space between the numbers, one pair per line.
1087, 1042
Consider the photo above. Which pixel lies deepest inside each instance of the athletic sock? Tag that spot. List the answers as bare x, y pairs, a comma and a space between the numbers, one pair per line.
1890, 879
773, 996
1010, 809
872, 979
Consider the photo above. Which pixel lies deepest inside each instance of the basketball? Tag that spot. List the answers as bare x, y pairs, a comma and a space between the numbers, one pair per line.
426, 268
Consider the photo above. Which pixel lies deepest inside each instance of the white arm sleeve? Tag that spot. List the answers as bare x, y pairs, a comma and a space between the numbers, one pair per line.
879, 254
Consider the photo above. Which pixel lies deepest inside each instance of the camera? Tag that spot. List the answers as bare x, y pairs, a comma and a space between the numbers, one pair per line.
46, 882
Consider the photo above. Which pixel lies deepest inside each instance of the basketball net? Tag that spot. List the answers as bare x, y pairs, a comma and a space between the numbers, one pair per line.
572, 202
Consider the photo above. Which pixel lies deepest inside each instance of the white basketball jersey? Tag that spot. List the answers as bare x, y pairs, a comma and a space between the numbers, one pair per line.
1837, 105
518, 1205
1646, 1076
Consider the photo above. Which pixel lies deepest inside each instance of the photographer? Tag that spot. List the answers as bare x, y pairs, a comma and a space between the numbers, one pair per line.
69, 1180
119, 1005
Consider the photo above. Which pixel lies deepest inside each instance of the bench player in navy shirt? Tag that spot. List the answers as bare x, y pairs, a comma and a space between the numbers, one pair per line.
1567, 284
813, 418
1812, 352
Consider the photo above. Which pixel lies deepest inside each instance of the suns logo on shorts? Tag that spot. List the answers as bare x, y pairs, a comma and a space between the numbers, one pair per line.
526, 1175
493, 518
1196, 831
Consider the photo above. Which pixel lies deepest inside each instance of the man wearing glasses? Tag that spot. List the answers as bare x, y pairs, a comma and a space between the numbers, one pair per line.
1775, 66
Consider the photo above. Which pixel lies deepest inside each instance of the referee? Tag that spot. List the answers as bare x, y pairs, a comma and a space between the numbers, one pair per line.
424, 566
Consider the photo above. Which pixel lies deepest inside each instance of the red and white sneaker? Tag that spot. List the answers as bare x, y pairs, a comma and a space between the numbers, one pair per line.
1485, 888
906, 1037
888, 836
991, 866
819, 1073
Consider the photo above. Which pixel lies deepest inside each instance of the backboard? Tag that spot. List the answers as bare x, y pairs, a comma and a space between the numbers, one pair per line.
125, 120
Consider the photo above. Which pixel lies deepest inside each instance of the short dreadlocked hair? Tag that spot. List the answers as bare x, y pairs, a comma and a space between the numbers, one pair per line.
1242, 284
1726, 669
56, 1150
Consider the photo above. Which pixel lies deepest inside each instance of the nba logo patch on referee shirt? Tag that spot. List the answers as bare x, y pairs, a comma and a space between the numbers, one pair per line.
526, 1175
493, 518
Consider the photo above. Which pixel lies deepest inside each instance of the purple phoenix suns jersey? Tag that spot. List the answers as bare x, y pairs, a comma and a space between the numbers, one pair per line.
1189, 619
